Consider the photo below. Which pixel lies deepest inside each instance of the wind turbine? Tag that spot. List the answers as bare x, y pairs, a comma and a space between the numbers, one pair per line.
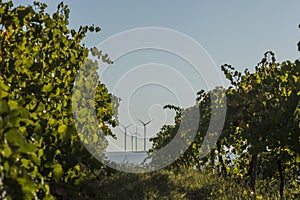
125, 132
132, 136
144, 124
136, 135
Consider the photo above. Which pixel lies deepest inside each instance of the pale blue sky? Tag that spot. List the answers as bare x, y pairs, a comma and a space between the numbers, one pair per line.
233, 31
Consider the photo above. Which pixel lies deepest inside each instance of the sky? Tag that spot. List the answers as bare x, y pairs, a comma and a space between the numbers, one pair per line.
234, 32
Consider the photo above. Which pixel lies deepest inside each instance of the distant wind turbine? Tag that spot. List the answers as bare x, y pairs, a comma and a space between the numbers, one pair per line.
144, 124
136, 134
132, 142
132, 136
125, 132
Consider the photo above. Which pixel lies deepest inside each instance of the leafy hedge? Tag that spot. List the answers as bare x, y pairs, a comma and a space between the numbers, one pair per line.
261, 137
41, 150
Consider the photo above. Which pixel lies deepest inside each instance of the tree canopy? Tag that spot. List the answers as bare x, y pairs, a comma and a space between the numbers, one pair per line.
40, 58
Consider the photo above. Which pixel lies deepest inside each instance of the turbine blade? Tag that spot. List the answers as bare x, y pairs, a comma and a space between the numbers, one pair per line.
141, 121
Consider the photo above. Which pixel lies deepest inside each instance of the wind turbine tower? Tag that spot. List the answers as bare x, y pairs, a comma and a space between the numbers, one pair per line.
136, 134
132, 135
144, 124
125, 132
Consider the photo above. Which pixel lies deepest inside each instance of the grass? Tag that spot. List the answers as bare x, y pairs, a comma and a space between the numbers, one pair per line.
187, 184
